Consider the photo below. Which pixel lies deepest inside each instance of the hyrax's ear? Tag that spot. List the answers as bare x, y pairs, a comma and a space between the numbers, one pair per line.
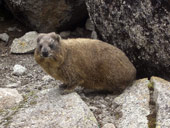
39, 37
55, 36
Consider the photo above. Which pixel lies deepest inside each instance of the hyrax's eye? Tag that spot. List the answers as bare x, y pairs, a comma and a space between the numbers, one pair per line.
51, 46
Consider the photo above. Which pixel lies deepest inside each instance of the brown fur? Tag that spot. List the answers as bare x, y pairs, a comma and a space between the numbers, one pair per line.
88, 63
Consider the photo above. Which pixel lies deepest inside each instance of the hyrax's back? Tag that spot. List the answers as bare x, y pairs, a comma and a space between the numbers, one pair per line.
101, 65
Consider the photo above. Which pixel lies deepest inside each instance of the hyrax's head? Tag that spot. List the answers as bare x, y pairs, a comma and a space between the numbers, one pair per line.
48, 44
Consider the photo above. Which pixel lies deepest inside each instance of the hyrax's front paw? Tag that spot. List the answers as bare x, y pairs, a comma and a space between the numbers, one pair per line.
63, 86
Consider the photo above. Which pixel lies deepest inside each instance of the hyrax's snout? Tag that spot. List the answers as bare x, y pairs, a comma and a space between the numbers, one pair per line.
45, 52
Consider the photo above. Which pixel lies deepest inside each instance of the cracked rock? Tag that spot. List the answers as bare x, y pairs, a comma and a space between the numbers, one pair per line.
132, 107
162, 100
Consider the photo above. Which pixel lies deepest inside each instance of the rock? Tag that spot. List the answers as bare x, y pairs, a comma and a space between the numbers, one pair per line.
24, 44
89, 25
140, 28
53, 110
47, 78
4, 37
131, 108
109, 125
9, 98
94, 35
11, 29
19, 70
47, 16
65, 34
162, 100
13, 85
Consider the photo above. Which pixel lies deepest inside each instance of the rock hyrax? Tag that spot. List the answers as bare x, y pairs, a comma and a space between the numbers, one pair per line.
89, 63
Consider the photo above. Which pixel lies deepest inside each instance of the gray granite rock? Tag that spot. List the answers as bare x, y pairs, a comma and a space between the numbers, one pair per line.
19, 70
9, 98
140, 28
53, 110
132, 106
24, 44
4, 37
162, 100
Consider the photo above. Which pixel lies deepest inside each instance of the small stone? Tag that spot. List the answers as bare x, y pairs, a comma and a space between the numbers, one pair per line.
9, 98
11, 29
89, 25
47, 78
94, 35
65, 34
18, 70
109, 125
161, 96
14, 85
4, 37
25, 44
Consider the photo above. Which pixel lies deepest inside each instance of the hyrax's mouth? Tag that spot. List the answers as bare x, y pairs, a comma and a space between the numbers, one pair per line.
46, 55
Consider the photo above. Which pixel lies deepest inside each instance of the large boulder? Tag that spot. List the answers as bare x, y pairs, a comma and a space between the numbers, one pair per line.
46, 16
49, 109
140, 28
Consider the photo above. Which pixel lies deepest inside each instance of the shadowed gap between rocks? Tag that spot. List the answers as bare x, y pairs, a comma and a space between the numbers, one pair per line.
152, 116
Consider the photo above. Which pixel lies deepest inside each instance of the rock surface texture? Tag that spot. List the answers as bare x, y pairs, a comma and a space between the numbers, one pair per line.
53, 110
139, 28
162, 100
9, 98
47, 16
132, 106
24, 44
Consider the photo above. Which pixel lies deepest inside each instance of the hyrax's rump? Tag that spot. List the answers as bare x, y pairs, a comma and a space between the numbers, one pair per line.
84, 62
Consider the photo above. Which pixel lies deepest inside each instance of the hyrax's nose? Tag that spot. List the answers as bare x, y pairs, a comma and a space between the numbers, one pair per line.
45, 53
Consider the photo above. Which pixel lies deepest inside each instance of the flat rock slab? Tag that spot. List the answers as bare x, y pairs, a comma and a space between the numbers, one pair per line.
9, 98
132, 106
162, 100
53, 110
24, 44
